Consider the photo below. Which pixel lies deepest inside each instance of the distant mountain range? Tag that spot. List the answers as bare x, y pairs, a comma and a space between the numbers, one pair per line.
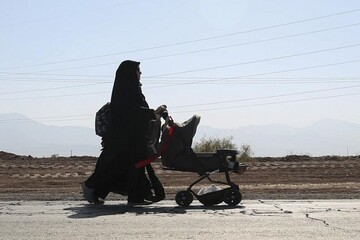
326, 137
28, 137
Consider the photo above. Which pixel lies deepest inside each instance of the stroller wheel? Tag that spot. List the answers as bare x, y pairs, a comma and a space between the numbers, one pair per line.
232, 197
184, 198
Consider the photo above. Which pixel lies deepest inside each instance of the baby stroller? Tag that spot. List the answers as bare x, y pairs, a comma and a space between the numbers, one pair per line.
177, 155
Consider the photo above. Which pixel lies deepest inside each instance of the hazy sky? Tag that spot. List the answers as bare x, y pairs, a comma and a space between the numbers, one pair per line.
233, 62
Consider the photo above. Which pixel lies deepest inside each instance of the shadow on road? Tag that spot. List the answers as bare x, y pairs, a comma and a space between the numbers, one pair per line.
92, 211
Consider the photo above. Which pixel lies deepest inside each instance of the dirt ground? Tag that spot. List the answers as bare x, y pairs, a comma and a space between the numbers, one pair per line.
291, 177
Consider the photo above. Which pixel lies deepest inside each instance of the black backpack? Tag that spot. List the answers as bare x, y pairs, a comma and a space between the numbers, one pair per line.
102, 120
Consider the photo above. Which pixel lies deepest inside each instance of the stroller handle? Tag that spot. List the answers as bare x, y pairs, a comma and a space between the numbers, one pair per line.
168, 119
165, 115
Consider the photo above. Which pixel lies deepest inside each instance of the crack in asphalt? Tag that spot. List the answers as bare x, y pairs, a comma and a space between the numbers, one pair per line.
321, 220
276, 206
314, 210
326, 224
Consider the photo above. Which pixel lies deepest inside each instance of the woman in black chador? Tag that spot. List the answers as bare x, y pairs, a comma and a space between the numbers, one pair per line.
125, 143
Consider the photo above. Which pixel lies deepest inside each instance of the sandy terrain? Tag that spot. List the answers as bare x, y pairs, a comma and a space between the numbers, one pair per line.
41, 199
294, 177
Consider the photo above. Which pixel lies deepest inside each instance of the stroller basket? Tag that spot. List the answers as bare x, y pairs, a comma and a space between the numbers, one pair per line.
212, 198
230, 196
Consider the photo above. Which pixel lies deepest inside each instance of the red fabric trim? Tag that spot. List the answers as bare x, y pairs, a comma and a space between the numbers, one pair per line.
162, 150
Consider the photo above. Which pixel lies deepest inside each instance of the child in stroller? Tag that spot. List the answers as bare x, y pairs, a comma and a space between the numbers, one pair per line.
177, 155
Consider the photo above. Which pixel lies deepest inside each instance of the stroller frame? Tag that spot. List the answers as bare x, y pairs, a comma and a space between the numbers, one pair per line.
177, 155
230, 195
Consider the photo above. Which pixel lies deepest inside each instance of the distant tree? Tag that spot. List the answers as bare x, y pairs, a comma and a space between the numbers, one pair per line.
245, 153
211, 144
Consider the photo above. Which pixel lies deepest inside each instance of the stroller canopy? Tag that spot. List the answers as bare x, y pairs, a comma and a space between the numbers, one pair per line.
187, 130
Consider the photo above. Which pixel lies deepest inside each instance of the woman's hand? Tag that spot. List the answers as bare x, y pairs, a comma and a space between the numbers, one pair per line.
159, 111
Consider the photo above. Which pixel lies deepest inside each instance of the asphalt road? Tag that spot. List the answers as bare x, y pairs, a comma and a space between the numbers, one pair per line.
253, 219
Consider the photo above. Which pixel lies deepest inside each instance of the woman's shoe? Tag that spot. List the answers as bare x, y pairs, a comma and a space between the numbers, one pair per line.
154, 199
88, 194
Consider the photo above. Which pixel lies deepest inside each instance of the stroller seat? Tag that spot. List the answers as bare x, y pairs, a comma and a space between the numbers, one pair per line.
181, 157
223, 160
201, 162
